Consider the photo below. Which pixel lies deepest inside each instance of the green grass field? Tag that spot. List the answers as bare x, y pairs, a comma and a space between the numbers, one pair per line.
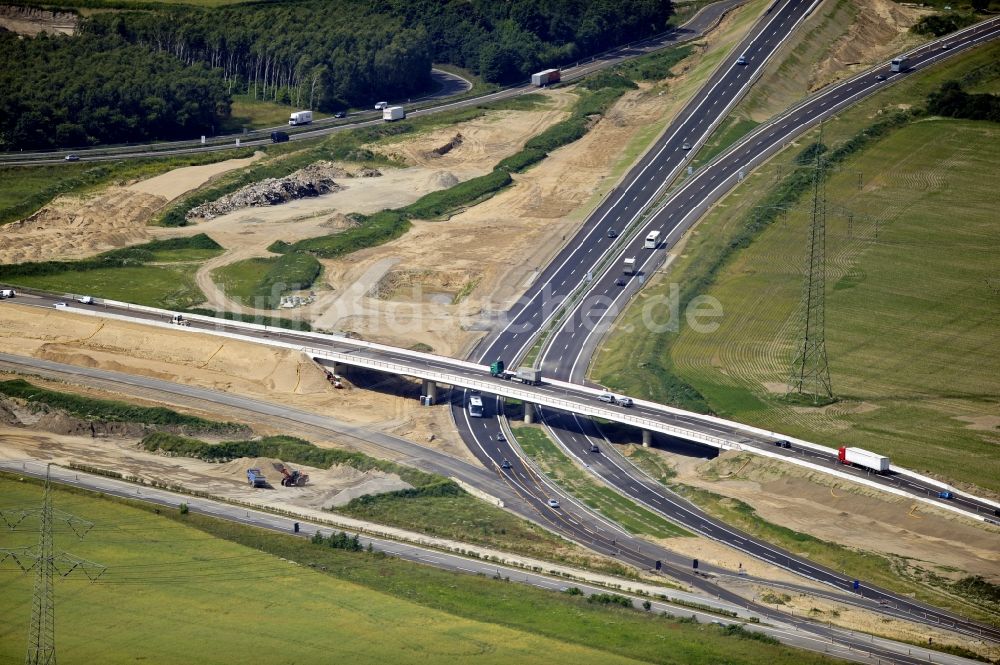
169, 287
625, 512
187, 255
246, 112
183, 589
910, 327
239, 280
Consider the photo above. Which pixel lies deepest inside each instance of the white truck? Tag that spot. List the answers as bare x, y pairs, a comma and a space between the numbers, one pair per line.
629, 268
652, 240
864, 459
543, 78
300, 118
531, 376
391, 113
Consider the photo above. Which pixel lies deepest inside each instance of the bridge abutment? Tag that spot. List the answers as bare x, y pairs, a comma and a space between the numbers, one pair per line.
529, 413
430, 391
647, 438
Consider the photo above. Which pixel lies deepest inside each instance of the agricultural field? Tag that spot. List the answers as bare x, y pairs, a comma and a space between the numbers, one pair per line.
179, 587
911, 251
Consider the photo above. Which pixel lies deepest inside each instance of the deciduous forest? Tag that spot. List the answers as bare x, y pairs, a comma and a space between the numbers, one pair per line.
170, 72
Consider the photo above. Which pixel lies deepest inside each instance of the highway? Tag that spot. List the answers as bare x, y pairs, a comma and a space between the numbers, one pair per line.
591, 264
583, 256
834, 642
448, 85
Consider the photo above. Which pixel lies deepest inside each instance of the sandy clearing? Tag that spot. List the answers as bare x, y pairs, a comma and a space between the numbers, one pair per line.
174, 183
78, 226
848, 514
326, 487
30, 21
286, 377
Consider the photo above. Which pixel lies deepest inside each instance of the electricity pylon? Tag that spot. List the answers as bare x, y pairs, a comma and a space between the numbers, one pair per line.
810, 373
46, 563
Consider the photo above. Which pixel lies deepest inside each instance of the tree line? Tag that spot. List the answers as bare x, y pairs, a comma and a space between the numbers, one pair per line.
170, 72
77, 91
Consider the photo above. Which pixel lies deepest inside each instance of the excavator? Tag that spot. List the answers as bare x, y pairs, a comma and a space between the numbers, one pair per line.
292, 478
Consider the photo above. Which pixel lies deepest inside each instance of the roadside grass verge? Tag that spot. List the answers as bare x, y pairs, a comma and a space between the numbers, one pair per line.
167, 287
333, 602
625, 512
90, 408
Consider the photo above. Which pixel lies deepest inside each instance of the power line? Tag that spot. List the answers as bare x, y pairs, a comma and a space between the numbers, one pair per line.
46, 563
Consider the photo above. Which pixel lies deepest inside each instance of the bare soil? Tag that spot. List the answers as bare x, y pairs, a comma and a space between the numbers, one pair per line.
282, 376
326, 488
78, 226
848, 514
30, 21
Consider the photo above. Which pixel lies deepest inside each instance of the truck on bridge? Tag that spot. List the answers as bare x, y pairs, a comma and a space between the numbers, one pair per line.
531, 376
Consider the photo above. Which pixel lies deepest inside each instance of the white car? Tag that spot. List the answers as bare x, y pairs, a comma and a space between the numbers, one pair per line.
59, 305
606, 397
381, 105
623, 401
85, 300
553, 503
7, 293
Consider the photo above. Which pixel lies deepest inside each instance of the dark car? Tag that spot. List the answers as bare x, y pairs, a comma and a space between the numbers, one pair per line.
880, 77
505, 464
783, 444
612, 233
340, 114
279, 137
620, 281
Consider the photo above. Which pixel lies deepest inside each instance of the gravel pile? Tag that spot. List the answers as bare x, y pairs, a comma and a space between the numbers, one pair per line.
312, 180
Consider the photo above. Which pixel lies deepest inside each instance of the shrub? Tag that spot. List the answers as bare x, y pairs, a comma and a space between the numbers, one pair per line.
90, 408
290, 449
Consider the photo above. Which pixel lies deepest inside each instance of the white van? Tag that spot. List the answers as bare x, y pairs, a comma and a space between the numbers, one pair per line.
381, 105
7, 293
653, 240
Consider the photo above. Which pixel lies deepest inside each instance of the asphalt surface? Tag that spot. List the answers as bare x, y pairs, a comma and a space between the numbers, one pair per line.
449, 85
834, 642
568, 348
573, 520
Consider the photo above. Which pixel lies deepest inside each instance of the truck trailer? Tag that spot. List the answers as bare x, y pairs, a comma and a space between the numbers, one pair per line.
531, 376
300, 118
255, 478
543, 78
391, 113
864, 459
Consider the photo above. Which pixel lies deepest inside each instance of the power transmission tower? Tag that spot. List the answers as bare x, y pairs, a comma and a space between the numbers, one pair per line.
810, 375
46, 563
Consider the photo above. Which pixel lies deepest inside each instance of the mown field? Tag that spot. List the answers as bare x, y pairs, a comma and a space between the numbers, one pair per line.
911, 292
183, 589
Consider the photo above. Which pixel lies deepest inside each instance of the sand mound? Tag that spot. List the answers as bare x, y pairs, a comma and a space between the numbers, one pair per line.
326, 488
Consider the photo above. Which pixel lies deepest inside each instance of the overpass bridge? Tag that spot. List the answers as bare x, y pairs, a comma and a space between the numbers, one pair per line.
335, 352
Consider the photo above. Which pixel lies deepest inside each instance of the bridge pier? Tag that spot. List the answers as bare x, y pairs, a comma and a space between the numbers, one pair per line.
529, 413
430, 391
647, 438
